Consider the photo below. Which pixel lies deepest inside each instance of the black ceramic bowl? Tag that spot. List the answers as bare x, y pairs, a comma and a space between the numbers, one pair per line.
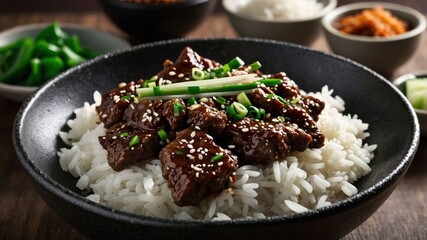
366, 93
148, 22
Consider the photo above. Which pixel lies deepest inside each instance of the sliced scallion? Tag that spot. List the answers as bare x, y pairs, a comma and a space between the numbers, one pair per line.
255, 66
217, 157
126, 97
281, 119
179, 151
197, 74
235, 63
243, 99
295, 100
237, 111
220, 100
257, 113
192, 101
123, 134
134, 141
177, 108
163, 135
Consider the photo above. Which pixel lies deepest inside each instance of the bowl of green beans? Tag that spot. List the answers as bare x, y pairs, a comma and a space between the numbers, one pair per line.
31, 55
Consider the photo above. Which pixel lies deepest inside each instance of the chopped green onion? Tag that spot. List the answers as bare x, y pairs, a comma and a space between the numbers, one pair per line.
163, 91
271, 96
255, 66
192, 101
126, 97
151, 84
295, 100
282, 100
123, 134
197, 74
281, 119
220, 100
257, 113
163, 135
179, 151
217, 157
236, 63
134, 141
177, 108
154, 78
243, 99
237, 111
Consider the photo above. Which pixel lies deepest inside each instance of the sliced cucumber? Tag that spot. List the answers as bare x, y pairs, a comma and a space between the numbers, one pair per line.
416, 91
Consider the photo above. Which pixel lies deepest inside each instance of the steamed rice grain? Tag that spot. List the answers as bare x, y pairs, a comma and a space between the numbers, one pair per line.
306, 180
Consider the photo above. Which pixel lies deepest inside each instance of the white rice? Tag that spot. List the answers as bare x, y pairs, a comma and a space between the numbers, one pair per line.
277, 10
306, 180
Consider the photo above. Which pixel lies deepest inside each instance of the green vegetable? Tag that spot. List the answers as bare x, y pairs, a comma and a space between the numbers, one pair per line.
217, 157
20, 62
255, 66
162, 91
197, 74
34, 61
416, 91
232, 64
257, 113
237, 111
177, 108
220, 100
134, 141
163, 135
192, 101
243, 99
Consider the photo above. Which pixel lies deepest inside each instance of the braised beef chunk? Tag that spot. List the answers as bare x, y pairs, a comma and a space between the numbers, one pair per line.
297, 115
144, 114
195, 167
207, 118
312, 105
260, 98
261, 142
180, 70
126, 145
115, 102
175, 113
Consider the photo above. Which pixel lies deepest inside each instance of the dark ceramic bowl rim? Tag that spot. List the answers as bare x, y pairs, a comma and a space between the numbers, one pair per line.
330, 18
148, 7
327, 8
90, 206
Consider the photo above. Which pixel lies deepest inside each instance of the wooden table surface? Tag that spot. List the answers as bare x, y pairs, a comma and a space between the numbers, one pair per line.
24, 215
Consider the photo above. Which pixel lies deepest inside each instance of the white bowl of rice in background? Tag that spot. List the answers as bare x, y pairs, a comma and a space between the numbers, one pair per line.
318, 194
295, 21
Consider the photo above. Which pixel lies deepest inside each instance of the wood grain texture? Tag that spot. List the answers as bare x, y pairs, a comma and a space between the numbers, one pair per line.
24, 215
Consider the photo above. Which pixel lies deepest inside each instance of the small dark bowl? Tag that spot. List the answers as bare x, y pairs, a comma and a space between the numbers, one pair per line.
149, 22
37, 142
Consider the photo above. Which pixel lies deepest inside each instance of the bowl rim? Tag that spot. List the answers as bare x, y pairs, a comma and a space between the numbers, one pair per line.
330, 18
408, 76
39, 26
325, 9
119, 215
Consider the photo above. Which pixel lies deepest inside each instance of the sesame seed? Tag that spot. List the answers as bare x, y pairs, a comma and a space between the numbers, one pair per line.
231, 146
192, 150
220, 163
245, 129
104, 115
172, 73
122, 84
181, 75
132, 106
189, 146
193, 134
200, 156
197, 174
190, 156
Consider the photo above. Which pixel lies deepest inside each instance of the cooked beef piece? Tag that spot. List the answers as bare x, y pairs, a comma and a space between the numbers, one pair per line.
207, 118
146, 115
300, 117
312, 105
195, 167
126, 145
115, 102
175, 113
262, 142
180, 70
260, 98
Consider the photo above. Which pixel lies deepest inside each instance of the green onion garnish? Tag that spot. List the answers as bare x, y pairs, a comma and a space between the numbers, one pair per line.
179, 151
271, 95
295, 100
243, 99
255, 66
179, 90
163, 135
237, 111
282, 100
257, 113
197, 74
236, 63
281, 119
217, 157
126, 97
123, 134
177, 108
192, 101
220, 100
134, 140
